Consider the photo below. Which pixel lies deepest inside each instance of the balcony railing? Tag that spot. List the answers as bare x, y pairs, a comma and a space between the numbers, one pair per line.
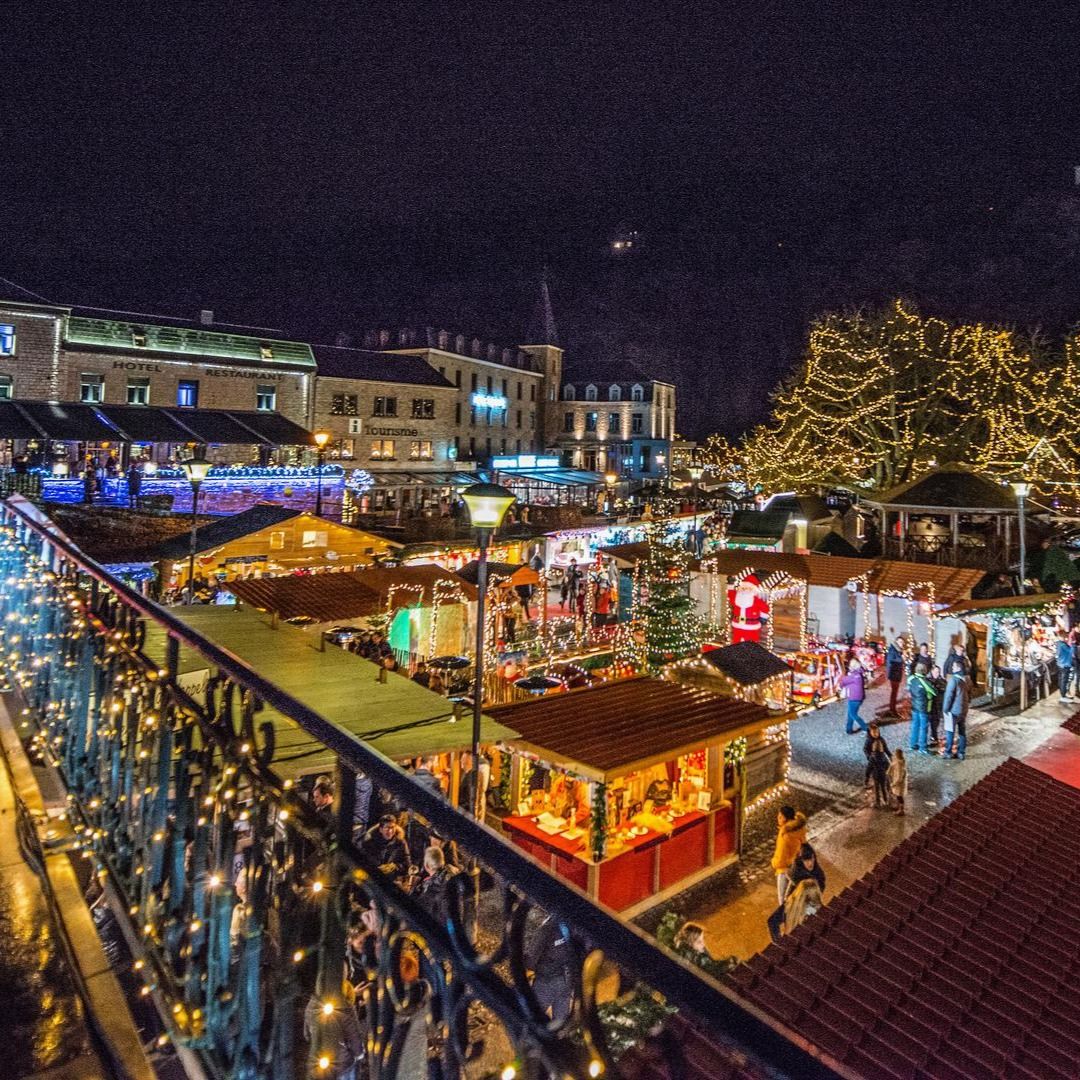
974, 553
239, 892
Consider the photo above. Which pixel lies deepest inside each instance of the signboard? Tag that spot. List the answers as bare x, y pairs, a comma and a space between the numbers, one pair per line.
356, 426
525, 461
7, 339
483, 400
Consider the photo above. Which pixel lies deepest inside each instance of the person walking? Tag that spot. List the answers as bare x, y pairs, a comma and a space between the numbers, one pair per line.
894, 672
790, 837
804, 867
877, 760
955, 708
898, 779
853, 687
921, 691
1064, 665
937, 681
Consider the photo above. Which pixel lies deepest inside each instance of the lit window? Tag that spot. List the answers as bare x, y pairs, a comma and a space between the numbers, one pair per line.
187, 394
590, 392
637, 393
614, 393
420, 450
384, 406
138, 391
347, 449
313, 538
382, 449
613, 423
567, 393
266, 352
7, 339
277, 540
266, 397
138, 336
423, 408
590, 421
91, 388
5, 387
344, 405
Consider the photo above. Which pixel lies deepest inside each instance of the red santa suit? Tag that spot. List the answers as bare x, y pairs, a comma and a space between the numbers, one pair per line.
749, 608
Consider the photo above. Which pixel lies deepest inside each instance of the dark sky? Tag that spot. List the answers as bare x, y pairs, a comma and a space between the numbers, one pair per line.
333, 166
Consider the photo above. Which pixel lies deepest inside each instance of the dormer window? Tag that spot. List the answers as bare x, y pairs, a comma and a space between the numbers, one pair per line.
590, 392
266, 352
138, 337
568, 392
614, 392
637, 392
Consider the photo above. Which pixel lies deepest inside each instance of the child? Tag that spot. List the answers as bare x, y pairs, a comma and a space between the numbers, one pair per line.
898, 781
878, 760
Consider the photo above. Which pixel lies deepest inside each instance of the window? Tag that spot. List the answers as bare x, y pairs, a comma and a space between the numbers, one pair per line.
313, 538
138, 391
423, 408
266, 397
442, 370
382, 450
457, 412
457, 446
614, 393
5, 387
590, 421
91, 388
519, 389
519, 418
266, 351
490, 385
346, 449
637, 393
502, 446
517, 446
532, 419
636, 423
568, 421
613, 424
420, 450
7, 339
457, 378
532, 392
187, 394
506, 388
590, 392
472, 446
344, 405
277, 540
487, 443
384, 406
138, 336
472, 383
567, 393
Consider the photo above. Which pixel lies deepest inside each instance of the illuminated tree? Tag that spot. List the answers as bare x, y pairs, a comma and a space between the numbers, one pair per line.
666, 610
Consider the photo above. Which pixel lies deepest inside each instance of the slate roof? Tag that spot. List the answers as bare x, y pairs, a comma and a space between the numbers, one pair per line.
746, 662
956, 956
352, 595
949, 487
222, 530
338, 362
616, 727
760, 525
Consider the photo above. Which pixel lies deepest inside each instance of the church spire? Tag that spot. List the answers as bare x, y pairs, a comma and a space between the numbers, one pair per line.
542, 328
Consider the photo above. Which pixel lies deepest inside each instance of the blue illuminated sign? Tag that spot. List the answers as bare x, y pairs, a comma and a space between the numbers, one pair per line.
7, 339
525, 461
488, 401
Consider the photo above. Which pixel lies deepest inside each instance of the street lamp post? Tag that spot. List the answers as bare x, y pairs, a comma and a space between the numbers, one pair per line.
610, 480
487, 505
196, 470
696, 472
321, 439
1021, 488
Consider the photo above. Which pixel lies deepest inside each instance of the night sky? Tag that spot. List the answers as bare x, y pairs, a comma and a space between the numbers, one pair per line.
326, 167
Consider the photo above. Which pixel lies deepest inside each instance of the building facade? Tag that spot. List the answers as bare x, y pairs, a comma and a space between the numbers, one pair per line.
615, 419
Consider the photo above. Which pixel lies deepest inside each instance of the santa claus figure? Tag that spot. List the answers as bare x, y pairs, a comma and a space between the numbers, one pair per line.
749, 609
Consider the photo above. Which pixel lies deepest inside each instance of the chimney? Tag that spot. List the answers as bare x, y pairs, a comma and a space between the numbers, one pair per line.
206, 317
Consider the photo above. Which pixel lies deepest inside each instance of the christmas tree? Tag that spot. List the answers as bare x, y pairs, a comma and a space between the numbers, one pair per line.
666, 610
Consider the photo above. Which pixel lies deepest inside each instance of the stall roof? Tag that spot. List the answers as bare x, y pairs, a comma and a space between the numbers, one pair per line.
632, 554
746, 662
973, 914
552, 476
355, 594
398, 717
519, 574
758, 525
617, 727
1001, 605
947, 488
223, 530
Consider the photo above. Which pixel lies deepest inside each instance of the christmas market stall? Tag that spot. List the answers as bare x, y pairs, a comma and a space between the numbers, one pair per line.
747, 671
629, 789
422, 610
1005, 636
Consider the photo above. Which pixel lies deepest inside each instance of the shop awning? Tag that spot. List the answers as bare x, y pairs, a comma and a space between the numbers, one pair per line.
270, 427
565, 477
211, 426
69, 422
606, 731
15, 424
984, 610
423, 479
137, 423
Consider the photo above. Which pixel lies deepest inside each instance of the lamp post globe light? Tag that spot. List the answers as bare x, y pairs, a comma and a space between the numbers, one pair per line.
487, 505
196, 470
696, 472
610, 479
321, 438
1021, 489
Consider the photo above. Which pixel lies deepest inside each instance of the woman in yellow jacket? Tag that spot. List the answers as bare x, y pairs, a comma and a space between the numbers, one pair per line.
790, 836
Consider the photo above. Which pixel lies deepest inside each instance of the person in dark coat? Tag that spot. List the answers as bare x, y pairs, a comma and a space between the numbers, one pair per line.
937, 681
894, 672
957, 660
134, 486
877, 763
805, 865
955, 709
922, 692
433, 891
921, 657
384, 844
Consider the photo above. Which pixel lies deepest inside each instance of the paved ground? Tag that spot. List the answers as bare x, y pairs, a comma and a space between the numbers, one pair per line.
848, 833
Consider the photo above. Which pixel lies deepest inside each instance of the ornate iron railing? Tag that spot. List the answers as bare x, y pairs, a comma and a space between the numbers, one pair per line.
240, 891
